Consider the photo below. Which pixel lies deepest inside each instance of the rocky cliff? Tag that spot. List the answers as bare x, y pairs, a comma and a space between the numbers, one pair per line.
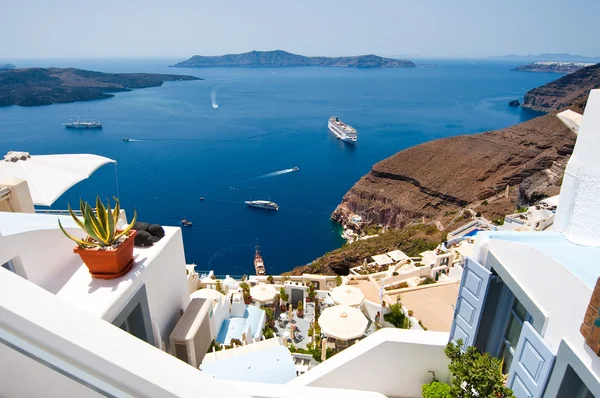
434, 180
281, 59
45, 86
570, 91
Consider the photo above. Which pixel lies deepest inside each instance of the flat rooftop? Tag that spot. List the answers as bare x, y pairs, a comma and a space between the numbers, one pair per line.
434, 306
271, 365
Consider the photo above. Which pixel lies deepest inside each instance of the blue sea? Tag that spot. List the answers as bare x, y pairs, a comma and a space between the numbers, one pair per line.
267, 121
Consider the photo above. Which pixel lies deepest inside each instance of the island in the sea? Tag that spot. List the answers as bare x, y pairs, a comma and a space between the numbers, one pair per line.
45, 86
552, 67
282, 59
7, 66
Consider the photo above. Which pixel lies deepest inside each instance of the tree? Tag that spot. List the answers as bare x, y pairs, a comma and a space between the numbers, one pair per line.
311, 291
270, 279
475, 375
338, 280
219, 287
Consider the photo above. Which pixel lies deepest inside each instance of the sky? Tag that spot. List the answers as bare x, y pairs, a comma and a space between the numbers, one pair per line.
182, 28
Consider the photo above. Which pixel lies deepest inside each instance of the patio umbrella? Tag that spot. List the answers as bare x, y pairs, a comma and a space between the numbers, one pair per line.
263, 293
49, 176
343, 322
209, 294
347, 295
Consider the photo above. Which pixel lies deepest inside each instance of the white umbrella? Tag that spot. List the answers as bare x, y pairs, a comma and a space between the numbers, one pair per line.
347, 295
343, 322
263, 293
49, 176
209, 294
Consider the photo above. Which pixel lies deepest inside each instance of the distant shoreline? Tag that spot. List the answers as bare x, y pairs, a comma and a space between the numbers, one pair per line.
46, 86
284, 59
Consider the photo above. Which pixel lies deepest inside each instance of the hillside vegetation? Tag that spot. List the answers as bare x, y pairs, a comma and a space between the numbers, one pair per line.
411, 240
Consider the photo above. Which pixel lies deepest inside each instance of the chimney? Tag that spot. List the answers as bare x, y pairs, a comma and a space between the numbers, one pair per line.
578, 212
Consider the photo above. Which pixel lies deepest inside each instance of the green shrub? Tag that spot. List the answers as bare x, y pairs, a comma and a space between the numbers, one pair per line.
338, 280
268, 332
522, 209
270, 280
498, 221
436, 389
396, 317
484, 203
475, 374
427, 281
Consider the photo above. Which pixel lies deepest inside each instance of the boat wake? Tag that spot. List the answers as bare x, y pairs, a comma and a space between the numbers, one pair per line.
213, 97
134, 140
276, 173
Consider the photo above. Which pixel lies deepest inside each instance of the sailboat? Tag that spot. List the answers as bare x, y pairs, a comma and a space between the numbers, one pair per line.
83, 124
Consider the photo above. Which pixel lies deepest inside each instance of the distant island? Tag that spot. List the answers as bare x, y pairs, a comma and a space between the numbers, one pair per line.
552, 67
283, 59
45, 86
7, 66
548, 57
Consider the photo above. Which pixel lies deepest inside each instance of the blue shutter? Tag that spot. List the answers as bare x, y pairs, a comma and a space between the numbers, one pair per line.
531, 365
469, 304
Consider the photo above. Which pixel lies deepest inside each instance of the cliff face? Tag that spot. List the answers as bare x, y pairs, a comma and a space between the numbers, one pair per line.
440, 177
282, 59
570, 91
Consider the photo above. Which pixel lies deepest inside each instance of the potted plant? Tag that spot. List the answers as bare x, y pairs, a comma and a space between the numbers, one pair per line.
300, 310
284, 298
106, 251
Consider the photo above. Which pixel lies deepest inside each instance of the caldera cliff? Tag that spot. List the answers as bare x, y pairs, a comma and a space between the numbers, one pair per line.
435, 180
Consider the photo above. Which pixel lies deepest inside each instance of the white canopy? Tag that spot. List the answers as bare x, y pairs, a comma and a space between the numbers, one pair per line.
347, 295
209, 294
343, 322
382, 259
49, 176
263, 293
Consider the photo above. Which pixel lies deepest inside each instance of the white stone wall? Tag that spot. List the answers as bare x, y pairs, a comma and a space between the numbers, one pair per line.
393, 362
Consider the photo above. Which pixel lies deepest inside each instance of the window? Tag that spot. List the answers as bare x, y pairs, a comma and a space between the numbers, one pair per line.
9, 265
517, 316
135, 317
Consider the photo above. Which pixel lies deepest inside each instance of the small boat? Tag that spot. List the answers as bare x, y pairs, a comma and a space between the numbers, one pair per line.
259, 264
201, 197
263, 204
186, 223
126, 139
295, 168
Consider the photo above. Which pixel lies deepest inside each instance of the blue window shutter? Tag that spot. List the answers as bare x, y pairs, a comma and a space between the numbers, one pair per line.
531, 365
469, 304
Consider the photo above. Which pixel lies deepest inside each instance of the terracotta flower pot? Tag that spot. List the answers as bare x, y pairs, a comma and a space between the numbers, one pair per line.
109, 264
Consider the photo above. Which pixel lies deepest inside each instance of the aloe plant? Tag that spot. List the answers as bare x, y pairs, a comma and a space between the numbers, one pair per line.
101, 226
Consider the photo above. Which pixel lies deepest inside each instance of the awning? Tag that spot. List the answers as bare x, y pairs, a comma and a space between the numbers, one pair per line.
347, 295
49, 176
343, 322
263, 293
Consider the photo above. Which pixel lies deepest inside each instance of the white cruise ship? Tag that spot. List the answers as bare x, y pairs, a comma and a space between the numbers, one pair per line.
263, 204
342, 131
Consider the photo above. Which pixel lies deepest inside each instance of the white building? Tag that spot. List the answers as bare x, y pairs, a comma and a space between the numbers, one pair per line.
528, 297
